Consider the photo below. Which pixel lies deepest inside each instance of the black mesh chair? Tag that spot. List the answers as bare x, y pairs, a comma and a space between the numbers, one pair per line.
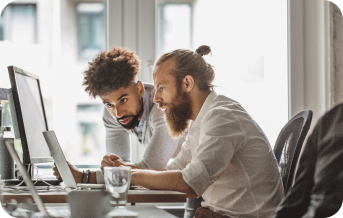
288, 145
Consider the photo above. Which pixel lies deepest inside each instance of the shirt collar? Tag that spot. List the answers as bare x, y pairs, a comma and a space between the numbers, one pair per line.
146, 106
204, 109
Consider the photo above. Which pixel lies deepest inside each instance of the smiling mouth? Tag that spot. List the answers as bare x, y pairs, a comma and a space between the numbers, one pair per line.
163, 109
126, 120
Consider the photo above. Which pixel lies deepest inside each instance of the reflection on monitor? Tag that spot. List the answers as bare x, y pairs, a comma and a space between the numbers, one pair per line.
30, 115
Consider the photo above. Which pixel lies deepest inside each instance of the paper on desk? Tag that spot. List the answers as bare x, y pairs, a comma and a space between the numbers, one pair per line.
122, 212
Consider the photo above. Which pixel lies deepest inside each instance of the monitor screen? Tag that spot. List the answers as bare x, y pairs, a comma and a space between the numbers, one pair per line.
30, 114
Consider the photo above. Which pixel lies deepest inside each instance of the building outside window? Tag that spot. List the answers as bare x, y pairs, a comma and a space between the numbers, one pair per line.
55, 40
20, 20
1, 29
174, 27
90, 29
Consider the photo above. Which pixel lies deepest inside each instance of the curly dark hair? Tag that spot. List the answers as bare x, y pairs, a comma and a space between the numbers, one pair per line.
111, 70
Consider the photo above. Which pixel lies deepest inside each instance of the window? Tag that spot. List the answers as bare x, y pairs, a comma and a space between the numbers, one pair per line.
1, 29
90, 26
92, 135
18, 23
174, 27
55, 42
248, 40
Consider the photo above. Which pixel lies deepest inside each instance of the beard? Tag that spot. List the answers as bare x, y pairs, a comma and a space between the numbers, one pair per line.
178, 115
135, 118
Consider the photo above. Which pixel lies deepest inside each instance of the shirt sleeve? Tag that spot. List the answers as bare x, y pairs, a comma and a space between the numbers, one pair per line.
117, 139
183, 158
161, 145
99, 177
220, 136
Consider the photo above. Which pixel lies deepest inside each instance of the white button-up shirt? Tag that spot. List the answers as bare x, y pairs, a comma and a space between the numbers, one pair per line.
227, 160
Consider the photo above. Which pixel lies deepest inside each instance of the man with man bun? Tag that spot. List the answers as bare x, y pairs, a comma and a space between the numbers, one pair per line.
226, 158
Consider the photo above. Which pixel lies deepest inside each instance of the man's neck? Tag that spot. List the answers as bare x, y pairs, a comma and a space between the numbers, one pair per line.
198, 98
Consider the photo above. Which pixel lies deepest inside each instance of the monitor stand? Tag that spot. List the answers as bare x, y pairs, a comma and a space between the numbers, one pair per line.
10, 182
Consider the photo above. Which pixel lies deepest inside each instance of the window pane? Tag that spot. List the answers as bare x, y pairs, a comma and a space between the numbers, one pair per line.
59, 56
249, 45
20, 22
174, 27
1, 29
248, 39
91, 37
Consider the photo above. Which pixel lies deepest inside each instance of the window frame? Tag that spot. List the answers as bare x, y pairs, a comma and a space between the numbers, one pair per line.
308, 57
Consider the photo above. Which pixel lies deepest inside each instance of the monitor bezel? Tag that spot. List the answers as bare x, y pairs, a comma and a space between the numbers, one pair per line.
12, 70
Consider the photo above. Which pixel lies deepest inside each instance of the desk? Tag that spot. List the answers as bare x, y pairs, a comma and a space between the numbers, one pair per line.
150, 211
143, 211
135, 196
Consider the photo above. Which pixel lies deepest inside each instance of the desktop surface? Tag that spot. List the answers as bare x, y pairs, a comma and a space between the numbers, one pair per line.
134, 196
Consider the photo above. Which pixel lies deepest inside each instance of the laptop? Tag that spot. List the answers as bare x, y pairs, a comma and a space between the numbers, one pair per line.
62, 165
47, 212
64, 211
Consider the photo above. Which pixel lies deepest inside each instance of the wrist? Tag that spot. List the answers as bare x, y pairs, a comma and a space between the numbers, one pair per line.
78, 177
92, 177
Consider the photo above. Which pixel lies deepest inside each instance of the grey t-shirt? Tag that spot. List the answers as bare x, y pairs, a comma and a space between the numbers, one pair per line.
151, 132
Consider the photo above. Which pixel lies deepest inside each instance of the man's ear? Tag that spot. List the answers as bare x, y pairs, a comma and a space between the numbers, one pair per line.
140, 88
188, 83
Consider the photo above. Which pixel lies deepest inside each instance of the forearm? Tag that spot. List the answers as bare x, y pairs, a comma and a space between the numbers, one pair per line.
92, 177
162, 180
133, 166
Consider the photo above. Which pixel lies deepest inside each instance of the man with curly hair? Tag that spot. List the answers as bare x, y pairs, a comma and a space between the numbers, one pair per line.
129, 109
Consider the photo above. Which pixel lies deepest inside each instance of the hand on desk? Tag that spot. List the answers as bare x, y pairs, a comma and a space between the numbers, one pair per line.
111, 160
76, 173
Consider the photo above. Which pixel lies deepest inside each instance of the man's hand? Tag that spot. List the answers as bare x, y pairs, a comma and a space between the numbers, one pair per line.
111, 160
76, 173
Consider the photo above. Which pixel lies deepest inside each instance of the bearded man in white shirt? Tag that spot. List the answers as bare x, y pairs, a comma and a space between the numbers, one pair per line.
226, 158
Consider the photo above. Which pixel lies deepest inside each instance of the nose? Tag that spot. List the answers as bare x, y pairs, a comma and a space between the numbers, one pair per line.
119, 112
157, 98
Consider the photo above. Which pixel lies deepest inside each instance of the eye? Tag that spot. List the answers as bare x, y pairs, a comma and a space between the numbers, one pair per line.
109, 105
124, 100
161, 88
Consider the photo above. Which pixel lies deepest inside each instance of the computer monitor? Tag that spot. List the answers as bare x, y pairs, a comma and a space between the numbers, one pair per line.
28, 115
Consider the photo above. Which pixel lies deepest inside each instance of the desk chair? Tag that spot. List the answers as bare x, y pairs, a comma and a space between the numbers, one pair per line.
318, 186
288, 145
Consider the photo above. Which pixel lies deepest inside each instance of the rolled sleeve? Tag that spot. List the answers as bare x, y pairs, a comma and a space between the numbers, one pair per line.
183, 158
197, 176
175, 165
99, 177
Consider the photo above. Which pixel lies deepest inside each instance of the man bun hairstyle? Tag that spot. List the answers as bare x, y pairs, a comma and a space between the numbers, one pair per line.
111, 70
187, 62
203, 50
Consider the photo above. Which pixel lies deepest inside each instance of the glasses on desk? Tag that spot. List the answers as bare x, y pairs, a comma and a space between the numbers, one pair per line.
117, 180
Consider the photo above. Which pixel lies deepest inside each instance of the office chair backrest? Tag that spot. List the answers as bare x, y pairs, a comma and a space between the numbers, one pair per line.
288, 145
